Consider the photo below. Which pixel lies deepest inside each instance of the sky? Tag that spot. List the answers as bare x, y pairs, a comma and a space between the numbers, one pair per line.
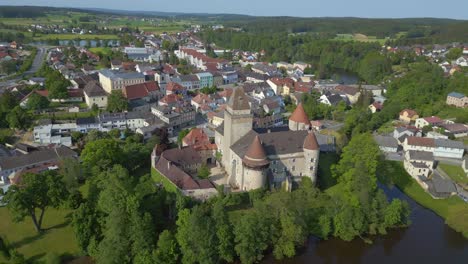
456, 9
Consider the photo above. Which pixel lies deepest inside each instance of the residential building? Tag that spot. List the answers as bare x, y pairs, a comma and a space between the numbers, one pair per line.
95, 95
386, 143
175, 117
116, 80
54, 134
43, 157
175, 88
407, 116
352, 93
457, 99
457, 130
189, 82
419, 164
121, 121
428, 121
375, 107
332, 99
147, 91
445, 148
206, 79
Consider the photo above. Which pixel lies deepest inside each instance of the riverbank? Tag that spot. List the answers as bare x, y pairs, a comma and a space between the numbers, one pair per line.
453, 210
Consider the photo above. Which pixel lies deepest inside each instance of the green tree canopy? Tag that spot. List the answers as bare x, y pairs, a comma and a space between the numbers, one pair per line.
116, 102
36, 192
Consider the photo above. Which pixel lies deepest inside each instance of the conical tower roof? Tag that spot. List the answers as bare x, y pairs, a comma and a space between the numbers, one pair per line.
310, 142
299, 115
255, 155
238, 100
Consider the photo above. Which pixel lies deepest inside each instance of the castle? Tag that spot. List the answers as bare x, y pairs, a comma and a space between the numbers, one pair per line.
275, 158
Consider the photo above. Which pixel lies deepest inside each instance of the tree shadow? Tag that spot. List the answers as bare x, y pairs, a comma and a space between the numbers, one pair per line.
35, 258
27, 240
58, 226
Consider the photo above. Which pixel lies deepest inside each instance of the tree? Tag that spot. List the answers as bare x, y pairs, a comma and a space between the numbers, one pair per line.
8, 66
196, 236
224, 232
167, 250
252, 237
18, 118
374, 67
72, 174
292, 235
36, 192
8, 101
181, 136
102, 153
37, 102
116, 102
203, 172
454, 53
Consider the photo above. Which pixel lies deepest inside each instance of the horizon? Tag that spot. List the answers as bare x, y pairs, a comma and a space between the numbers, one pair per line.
366, 9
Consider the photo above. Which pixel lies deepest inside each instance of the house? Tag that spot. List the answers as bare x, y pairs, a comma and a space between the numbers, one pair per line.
54, 134
175, 118
465, 166
127, 120
265, 69
331, 99
419, 144
115, 80
13, 164
206, 79
271, 121
175, 88
433, 134
281, 85
147, 91
445, 148
95, 95
457, 130
386, 143
428, 121
317, 125
271, 106
419, 164
190, 82
198, 139
375, 107
401, 133
408, 115
138, 54
86, 124
457, 99
116, 64
202, 99
352, 93
171, 100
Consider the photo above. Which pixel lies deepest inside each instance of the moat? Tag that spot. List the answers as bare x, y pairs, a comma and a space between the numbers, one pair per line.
427, 240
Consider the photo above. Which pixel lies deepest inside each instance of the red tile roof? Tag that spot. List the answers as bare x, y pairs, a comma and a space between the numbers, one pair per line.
173, 86
255, 155
419, 141
202, 99
433, 120
141, 90
411, 113
283, 81
310, 142
299, 115
196, 136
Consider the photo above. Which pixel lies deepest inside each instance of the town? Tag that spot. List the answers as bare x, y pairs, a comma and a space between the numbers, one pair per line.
197, 122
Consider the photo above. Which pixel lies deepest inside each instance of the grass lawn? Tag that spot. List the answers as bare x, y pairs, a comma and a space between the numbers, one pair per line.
168, 185
104, 50
409, 186
456, 173
58, 236
75, 36
325, 179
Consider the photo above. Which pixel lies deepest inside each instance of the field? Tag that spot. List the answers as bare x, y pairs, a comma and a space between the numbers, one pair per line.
57, 238
456, 173
359, 37
102, 50
75, 36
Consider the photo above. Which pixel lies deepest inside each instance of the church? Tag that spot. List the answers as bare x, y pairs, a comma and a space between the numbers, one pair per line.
274, 158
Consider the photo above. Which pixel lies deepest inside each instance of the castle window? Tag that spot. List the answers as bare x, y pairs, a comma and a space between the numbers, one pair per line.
293, 160
311, 167
312, 160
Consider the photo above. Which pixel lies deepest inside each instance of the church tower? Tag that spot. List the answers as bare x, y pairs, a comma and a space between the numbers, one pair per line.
237, 123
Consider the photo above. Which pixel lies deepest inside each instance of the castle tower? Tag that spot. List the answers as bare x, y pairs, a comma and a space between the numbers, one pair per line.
255, 163
299, 120
311, 156
237, 123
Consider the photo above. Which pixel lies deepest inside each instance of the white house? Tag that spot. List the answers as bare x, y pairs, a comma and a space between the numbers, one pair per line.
445, 148
387, 144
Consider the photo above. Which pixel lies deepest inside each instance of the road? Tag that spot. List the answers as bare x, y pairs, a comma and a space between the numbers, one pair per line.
36, 65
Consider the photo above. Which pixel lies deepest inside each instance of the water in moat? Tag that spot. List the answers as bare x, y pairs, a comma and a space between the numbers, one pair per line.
428, 240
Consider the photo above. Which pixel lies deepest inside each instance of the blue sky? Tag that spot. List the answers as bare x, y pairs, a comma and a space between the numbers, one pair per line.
306, 8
